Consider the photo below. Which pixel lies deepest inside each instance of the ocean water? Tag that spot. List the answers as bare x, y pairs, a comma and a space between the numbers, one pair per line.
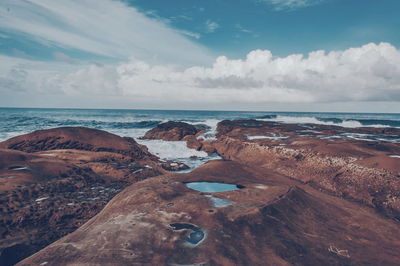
134, 123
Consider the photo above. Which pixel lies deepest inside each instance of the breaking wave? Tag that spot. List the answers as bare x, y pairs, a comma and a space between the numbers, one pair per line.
333, 121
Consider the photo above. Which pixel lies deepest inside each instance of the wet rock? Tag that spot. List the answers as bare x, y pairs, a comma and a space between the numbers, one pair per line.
192, 142
174, 166
171, 131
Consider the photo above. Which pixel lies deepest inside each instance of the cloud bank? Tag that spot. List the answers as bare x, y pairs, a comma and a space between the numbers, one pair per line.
367, 73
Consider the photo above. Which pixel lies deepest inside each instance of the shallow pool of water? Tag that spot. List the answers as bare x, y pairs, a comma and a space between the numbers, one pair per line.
211, 186
194, 237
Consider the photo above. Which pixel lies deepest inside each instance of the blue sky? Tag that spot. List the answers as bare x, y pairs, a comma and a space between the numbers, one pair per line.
283, 28
233, 28
305, 55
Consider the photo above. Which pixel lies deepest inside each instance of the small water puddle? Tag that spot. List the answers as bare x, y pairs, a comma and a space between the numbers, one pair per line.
195, 237
212, 186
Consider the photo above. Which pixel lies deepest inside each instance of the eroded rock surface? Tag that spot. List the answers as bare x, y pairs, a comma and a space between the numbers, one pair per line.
53, 181
322, 157
273, 220
78, 138
307, 195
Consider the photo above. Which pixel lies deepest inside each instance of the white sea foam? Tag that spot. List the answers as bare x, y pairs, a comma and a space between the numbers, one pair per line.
178, 151
313, 120
274, 138
110, 119
171, 150
359, 136
128, 132
257, 137
196, 162
394, 156
211, 132
310, 131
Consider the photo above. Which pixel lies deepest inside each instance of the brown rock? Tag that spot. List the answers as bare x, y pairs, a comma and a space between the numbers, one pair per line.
171, 131
273, 220
174, 166
68, 177
78, 138
192, 142
354, 169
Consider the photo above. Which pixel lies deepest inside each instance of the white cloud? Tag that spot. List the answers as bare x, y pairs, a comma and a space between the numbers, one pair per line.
211, 26
242, 29
103, 27
367, 73
189, 33
291, 4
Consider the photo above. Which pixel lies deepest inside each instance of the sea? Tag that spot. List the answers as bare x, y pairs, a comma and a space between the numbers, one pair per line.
134, 123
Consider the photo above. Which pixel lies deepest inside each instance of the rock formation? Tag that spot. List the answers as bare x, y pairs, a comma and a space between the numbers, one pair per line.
354, 169
171, 131
272, 220
53, 181
77, 138
306, 195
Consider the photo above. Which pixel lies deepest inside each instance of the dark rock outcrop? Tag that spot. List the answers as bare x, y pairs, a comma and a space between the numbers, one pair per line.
171, 131
77, 138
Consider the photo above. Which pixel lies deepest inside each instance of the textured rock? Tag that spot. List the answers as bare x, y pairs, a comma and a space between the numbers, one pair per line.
305, 198
171, 131
273, 220
78, 138
68, 177
353, 169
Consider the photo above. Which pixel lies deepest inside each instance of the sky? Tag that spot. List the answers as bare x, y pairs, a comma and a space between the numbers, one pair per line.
267, 55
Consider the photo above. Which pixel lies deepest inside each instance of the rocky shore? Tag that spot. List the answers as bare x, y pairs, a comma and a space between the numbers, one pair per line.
306, 195
53, 181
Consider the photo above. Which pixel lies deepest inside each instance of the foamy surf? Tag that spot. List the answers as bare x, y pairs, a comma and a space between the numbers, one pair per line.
273, 138
171, 150
177, 151
319, 121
